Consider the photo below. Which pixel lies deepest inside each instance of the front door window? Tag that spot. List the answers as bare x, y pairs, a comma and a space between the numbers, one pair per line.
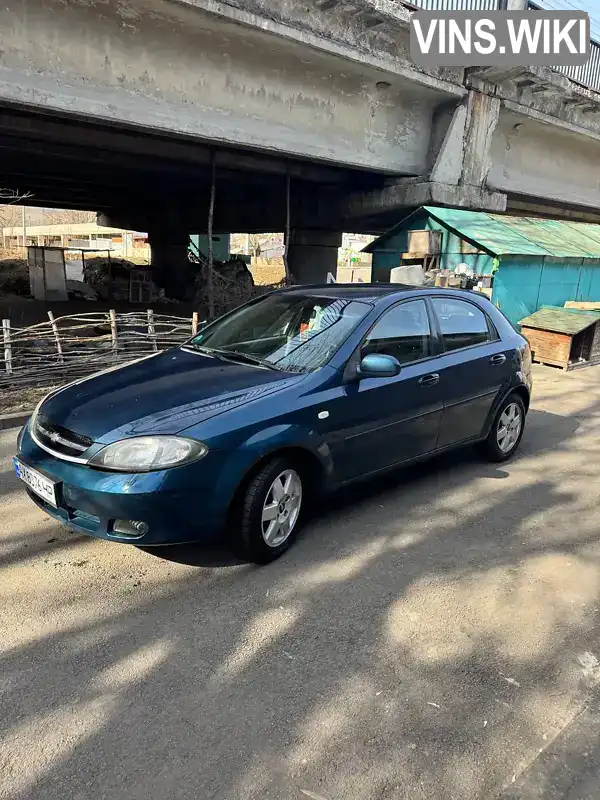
402, 332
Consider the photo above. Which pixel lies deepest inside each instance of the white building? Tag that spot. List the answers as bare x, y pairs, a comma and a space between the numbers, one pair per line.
80, 235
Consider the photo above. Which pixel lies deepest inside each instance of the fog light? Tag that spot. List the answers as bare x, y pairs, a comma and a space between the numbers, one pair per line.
130, 527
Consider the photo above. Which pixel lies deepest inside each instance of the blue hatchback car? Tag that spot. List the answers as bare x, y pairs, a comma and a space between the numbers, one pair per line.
294, 394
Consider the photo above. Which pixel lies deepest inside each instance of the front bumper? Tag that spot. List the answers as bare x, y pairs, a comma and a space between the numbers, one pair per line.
179, 505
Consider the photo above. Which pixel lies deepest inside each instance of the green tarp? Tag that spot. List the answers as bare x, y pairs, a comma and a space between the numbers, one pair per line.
504, 235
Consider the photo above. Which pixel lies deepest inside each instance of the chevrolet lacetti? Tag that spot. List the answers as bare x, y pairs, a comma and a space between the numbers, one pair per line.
292, 395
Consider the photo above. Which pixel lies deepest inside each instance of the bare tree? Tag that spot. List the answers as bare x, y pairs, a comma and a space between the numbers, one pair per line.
9, 211
10, 216
256, 243
65, 216
14, 195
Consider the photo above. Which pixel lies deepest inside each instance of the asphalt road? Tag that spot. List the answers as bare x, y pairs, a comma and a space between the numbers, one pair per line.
434, 636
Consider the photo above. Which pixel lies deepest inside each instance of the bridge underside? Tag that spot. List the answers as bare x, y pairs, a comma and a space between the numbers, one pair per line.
138, 178
141, 177
123, 106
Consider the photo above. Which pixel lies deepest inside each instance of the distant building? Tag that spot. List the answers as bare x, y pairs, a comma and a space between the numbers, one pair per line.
81, 235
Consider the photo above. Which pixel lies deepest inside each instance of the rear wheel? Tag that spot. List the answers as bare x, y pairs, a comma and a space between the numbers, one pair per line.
507, 429
269, 515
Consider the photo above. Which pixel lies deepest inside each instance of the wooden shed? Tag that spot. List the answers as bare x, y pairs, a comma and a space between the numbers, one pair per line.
535, 262
563, 337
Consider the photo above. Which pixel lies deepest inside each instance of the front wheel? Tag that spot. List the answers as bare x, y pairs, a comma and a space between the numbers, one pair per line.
507, 429
269, 517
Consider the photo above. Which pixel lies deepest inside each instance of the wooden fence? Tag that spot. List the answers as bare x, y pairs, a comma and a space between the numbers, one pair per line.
70, 347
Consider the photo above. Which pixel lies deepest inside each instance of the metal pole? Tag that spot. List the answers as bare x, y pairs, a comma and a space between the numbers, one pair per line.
210, 286
7, 346
24, 224
288, 275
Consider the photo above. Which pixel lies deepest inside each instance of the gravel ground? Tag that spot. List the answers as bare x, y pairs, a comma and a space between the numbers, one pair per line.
21, 399
426, 638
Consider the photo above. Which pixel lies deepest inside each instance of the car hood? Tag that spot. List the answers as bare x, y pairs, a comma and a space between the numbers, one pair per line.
165, 393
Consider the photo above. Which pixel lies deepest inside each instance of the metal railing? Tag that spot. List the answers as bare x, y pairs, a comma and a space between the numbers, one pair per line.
587, 75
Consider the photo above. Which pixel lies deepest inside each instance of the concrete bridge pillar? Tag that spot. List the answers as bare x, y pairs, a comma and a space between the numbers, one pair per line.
312, 254
171, 268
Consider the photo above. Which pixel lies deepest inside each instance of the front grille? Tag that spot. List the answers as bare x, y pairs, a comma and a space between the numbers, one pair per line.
61, 440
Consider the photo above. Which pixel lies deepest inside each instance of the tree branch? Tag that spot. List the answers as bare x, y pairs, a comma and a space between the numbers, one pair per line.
10, 196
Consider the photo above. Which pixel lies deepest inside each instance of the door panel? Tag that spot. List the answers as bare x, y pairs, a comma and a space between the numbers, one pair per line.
384, 421
473, 374
389, 420
471, 383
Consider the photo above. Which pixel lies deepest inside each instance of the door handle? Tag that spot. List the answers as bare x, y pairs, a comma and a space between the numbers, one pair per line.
500, 358
429, 380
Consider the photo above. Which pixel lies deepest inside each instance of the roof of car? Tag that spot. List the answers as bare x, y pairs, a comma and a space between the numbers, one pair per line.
370, 292
360, 291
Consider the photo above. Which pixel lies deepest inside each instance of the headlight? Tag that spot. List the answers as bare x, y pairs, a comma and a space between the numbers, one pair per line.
147, 453
36, 411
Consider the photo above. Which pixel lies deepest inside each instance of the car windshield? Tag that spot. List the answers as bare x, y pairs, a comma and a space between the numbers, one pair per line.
293, 332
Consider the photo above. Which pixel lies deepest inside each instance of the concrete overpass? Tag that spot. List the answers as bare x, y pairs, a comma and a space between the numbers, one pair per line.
122, 106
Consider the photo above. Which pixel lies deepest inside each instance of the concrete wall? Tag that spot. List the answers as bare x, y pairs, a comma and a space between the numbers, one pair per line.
173, 67
358, 274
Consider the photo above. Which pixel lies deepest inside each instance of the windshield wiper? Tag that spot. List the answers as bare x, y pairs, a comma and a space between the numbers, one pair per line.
198, 347
235, 355
208, 351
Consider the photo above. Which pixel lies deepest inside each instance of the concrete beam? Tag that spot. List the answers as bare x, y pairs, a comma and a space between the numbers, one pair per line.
65, 137
533, 207
370, 32
552, 163
253, 75
541, 93
410, 194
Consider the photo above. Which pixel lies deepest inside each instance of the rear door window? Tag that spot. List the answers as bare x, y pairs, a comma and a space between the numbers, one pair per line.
462, 324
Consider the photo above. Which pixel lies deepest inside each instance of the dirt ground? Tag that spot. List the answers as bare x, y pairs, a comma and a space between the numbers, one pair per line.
267, 274
21, 399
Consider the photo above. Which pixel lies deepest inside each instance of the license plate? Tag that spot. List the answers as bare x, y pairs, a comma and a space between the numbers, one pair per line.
38, 483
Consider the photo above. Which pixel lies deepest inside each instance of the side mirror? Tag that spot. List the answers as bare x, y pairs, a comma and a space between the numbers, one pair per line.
378, 365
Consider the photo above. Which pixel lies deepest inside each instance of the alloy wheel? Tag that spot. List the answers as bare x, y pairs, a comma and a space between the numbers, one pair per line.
509, 427
281, 508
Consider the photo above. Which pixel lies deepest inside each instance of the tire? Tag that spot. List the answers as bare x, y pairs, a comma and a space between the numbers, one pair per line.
269, 515
510, 419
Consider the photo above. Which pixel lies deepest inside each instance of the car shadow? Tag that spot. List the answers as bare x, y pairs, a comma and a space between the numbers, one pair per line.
544, 431
196, 554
